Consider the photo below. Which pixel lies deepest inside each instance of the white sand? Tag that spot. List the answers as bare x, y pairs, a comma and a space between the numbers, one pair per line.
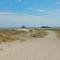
47, 48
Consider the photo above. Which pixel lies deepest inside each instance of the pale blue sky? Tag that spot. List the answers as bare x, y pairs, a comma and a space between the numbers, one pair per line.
29, 12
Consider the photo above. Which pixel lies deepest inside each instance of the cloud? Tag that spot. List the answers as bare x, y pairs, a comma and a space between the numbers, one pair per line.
37, 10
17, 19
44, 12
52, 13
14, 14
5, 13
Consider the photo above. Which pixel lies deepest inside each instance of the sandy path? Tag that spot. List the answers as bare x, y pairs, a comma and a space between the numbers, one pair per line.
38, 49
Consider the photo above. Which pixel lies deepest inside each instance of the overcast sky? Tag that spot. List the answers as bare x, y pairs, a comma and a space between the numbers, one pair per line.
14, 13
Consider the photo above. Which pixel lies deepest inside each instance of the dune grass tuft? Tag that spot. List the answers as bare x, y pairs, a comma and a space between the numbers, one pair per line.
12, 35
57, 32
39, 33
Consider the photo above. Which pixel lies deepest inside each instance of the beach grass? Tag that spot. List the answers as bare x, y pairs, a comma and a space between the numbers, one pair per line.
39, 33
56, 31
8, 35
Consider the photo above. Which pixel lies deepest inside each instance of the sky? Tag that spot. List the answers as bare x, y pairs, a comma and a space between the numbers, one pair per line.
31, 13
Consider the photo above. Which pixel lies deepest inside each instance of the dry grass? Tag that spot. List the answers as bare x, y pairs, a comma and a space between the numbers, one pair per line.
39, 33
57, 32
12, 35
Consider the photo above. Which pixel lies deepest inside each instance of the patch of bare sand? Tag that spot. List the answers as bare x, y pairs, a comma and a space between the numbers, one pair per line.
47, 48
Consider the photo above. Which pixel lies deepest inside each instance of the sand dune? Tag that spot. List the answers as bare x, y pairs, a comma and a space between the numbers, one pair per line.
47, 48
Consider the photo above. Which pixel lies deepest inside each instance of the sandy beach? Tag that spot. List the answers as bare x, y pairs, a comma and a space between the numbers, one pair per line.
47, 48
